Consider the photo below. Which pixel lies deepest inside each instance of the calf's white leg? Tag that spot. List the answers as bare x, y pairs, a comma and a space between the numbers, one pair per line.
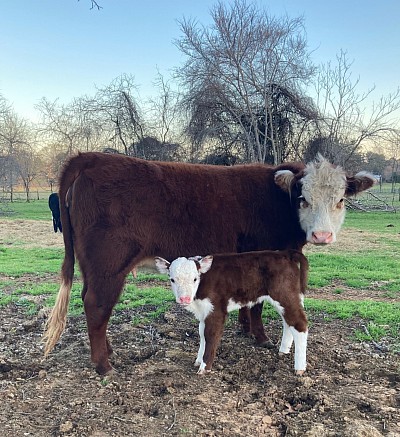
202, 347
287, 338
300, 350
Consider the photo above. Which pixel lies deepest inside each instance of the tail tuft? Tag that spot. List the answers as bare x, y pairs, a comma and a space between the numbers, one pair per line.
57, 320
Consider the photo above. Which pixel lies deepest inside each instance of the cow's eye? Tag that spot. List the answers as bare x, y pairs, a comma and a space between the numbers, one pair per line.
172, 280
340, 204
195, 279
303, 202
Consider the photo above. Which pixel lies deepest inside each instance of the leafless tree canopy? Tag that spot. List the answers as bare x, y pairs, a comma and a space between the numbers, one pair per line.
247, 91
244, 77
344, 122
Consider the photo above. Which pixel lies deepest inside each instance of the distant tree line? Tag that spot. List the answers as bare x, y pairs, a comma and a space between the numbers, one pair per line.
247, 91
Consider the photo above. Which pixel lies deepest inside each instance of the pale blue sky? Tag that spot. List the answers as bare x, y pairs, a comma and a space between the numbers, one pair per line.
62, 49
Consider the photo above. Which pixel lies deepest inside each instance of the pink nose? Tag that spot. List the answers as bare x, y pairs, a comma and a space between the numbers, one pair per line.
185, 300
322, 237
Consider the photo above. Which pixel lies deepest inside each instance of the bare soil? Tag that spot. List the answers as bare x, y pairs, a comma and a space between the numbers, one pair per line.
350, 389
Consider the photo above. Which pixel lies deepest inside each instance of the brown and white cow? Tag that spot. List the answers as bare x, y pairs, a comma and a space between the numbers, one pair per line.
118, 211
212, 286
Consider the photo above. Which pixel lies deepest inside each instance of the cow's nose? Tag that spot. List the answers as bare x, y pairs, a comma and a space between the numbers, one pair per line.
185, 300
322, 237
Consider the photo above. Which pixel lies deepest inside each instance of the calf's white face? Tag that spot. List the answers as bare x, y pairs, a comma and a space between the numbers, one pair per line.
323, 189
184, 274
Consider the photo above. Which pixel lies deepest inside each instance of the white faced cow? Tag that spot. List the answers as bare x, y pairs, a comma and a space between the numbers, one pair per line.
212, 286
118, 212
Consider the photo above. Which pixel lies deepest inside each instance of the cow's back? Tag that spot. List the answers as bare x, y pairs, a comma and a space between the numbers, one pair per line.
177, 209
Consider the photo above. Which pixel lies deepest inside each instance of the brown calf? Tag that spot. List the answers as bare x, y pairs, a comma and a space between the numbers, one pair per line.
212, 286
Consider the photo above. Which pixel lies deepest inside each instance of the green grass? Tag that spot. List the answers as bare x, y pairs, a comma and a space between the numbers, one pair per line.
33, 210
383, 222
382, 318
18, 261
377, 267
355, 270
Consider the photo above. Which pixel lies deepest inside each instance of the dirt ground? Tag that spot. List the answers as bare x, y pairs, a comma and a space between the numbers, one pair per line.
350, 389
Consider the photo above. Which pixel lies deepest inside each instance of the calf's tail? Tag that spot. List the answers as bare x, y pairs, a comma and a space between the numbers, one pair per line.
299, 258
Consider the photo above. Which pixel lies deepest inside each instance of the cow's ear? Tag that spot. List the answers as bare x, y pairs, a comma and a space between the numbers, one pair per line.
285, 180
162, 265
205, 264
360, 182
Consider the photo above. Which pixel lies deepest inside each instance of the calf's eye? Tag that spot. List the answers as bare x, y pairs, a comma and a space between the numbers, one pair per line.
172, 280
195, 279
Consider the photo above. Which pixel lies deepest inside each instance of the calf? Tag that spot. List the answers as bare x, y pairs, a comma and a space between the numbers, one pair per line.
242, 280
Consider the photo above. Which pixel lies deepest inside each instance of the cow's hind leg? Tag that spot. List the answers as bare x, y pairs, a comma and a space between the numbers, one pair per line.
244, 320
99, 300
257, 327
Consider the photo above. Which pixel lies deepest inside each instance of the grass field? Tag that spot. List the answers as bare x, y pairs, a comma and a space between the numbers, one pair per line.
367, 258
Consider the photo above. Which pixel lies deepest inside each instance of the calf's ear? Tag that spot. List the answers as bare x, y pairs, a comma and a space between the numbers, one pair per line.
162, 265
360, 182
205, 264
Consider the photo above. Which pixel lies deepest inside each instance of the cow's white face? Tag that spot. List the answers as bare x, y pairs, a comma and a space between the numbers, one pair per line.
320, 191
184, 274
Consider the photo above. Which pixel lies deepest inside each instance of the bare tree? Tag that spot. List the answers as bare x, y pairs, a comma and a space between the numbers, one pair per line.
60, 124
53, 157
344, 123
244, 77
164, 112
14, 137
116, 110
28, 167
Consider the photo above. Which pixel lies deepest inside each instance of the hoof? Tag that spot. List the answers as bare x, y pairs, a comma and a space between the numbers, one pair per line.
203, 372
299, 372
105, 371
243, 333
267, 344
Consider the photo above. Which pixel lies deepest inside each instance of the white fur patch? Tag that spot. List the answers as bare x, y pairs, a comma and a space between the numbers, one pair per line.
232, 305
279, 308
323, 188
201, 308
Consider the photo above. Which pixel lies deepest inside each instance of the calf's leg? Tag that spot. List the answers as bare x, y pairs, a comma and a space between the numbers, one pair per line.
295, 329
214, 327
287, 338
300, 350
202, 346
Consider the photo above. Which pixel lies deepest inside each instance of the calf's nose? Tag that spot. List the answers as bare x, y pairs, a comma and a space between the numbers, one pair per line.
185, 300
322, 237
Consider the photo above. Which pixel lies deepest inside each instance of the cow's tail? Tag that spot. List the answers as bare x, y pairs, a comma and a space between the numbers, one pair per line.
299, 258
57, 319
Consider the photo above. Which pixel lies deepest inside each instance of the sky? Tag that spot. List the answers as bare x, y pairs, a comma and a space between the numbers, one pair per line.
61, 49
